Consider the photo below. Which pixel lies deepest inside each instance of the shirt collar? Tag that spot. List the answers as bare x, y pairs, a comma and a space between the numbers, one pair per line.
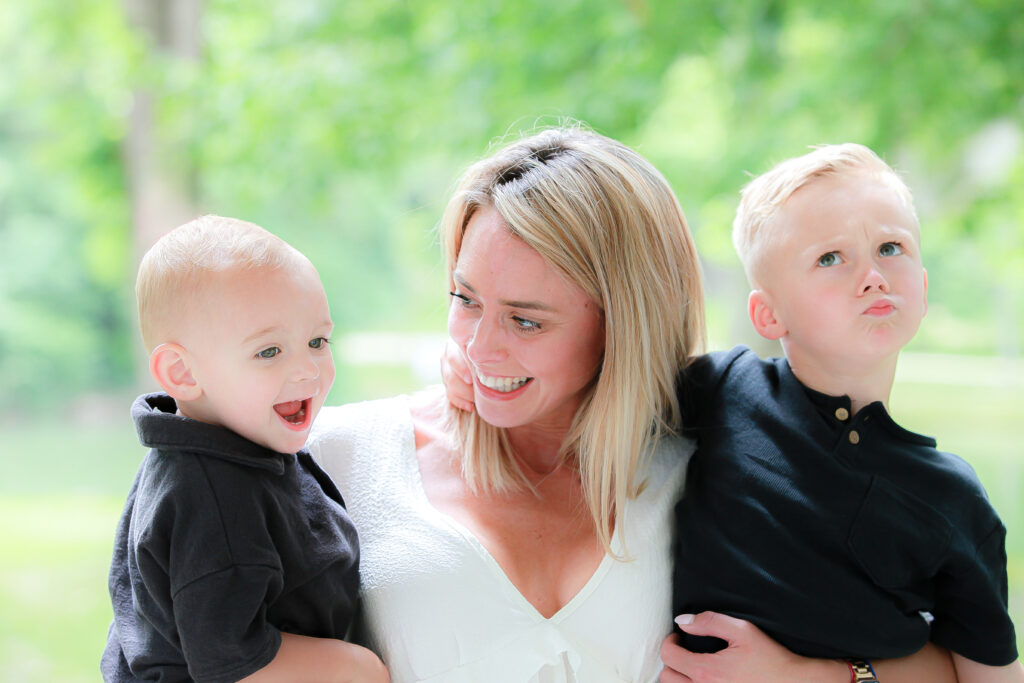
159, 426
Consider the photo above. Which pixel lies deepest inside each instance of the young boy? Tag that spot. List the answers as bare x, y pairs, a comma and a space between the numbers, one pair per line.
234, 557
807, 509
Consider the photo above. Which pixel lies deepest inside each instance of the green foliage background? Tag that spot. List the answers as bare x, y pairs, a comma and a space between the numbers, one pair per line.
343, 126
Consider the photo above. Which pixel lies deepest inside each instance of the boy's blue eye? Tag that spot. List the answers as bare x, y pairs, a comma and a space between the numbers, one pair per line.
890, 249
463, 299
832, 258
319, 342
269, 352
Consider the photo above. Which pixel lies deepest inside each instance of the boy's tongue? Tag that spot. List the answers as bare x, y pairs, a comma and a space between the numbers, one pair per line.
289, 408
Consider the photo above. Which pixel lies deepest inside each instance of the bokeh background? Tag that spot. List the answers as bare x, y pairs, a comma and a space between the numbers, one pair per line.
342, 126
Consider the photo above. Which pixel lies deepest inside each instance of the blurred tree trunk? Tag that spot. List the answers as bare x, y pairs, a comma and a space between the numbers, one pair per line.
161, 181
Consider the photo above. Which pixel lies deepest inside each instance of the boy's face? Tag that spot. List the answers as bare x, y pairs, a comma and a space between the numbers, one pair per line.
257, 346
845, 281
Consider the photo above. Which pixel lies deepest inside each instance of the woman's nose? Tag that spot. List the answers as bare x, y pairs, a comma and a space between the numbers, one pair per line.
485, 345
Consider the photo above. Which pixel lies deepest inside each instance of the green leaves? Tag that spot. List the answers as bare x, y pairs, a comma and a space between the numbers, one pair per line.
343, 126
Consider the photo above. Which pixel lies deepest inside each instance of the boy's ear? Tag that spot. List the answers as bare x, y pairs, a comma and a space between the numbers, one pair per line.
762, 314
169, 366
925, 289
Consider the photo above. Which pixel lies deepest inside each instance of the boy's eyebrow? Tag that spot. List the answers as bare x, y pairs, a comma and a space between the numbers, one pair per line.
511, 303
327, 323
265, 331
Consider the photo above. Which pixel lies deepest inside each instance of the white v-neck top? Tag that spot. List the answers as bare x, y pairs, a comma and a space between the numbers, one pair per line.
438, 607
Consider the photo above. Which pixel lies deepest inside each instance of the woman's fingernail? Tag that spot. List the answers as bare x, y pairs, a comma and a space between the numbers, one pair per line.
684, 619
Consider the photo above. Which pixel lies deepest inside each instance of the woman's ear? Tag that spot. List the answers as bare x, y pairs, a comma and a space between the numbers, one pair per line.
169, 366
762, 314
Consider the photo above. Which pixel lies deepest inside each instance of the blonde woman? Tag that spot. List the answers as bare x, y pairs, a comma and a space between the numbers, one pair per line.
530, 540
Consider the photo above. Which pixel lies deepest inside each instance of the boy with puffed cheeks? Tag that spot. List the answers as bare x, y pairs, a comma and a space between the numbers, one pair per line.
808, 511
234, 558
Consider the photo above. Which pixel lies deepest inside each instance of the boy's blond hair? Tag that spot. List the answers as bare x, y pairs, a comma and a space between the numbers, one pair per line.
755, 226
601, 215
173, 270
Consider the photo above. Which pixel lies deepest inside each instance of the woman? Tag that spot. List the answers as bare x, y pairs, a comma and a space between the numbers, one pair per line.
530, 540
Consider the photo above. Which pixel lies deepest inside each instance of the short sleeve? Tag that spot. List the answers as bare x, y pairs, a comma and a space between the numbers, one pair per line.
971, 616
222, 622
698, 384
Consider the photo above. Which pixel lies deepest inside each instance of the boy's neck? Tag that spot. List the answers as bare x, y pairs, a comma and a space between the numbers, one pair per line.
862, 385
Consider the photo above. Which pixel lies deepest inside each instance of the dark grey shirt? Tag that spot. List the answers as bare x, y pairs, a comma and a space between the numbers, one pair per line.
835, 534
222, 545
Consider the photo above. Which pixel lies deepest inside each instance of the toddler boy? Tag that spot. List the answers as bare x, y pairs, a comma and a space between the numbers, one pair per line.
808, 511
234, 557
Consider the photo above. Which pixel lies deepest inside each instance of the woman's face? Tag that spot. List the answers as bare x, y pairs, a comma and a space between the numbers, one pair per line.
533, 339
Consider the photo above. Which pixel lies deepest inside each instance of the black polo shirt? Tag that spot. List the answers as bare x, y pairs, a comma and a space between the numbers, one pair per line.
839, 536
222, 545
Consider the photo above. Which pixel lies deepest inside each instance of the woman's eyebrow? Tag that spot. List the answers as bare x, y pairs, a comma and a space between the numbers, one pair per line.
511, 303
531, 305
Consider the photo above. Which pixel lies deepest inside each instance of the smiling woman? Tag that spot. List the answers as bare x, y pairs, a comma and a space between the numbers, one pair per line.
535, 339
530, 540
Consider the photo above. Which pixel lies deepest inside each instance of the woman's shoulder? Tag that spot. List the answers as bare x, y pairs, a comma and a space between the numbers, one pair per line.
347, 433
671, 455
665, 472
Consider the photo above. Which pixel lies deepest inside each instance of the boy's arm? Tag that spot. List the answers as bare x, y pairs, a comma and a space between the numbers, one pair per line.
970, 671
320, 660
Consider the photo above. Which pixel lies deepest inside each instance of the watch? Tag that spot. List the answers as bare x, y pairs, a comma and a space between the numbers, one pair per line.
861, 671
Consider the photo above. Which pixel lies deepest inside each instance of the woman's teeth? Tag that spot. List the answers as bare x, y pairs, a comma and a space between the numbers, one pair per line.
502, 384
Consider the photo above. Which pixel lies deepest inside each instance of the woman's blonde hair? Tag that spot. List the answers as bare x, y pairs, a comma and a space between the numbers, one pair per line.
605, 218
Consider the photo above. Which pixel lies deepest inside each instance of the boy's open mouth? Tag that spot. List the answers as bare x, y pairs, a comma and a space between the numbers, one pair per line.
293, 412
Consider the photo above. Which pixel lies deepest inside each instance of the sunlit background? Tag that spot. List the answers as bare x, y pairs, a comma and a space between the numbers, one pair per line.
342, 126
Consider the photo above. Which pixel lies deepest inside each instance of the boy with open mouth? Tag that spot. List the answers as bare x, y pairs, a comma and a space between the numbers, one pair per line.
235, 556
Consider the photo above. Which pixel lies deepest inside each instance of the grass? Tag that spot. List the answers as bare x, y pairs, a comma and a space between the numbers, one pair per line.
62, 488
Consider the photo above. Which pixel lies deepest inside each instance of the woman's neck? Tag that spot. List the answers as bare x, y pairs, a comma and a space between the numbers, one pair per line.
538, 447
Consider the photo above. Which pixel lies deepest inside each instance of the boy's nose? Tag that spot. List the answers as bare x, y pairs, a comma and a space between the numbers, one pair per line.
306, 369
874, 279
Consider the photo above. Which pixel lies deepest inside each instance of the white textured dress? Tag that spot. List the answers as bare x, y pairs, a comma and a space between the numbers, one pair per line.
437, 606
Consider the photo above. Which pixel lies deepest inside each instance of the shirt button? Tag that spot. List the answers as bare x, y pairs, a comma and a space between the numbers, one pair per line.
854, 437
842, 414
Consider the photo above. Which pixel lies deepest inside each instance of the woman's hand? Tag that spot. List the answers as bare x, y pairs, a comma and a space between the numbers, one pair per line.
458, 382
750, 656
753, 656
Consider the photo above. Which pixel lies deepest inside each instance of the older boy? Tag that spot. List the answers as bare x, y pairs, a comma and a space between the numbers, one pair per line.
234, 558
808, 510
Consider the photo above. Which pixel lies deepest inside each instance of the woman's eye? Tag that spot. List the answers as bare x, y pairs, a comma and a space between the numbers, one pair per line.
890, 249
525, 325
269, 352
463, 299
319, 343
832, 258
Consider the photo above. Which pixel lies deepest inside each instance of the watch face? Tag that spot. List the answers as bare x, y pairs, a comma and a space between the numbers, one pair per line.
862, 672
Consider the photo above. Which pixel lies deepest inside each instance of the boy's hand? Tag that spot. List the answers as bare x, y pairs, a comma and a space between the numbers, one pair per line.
458, 382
